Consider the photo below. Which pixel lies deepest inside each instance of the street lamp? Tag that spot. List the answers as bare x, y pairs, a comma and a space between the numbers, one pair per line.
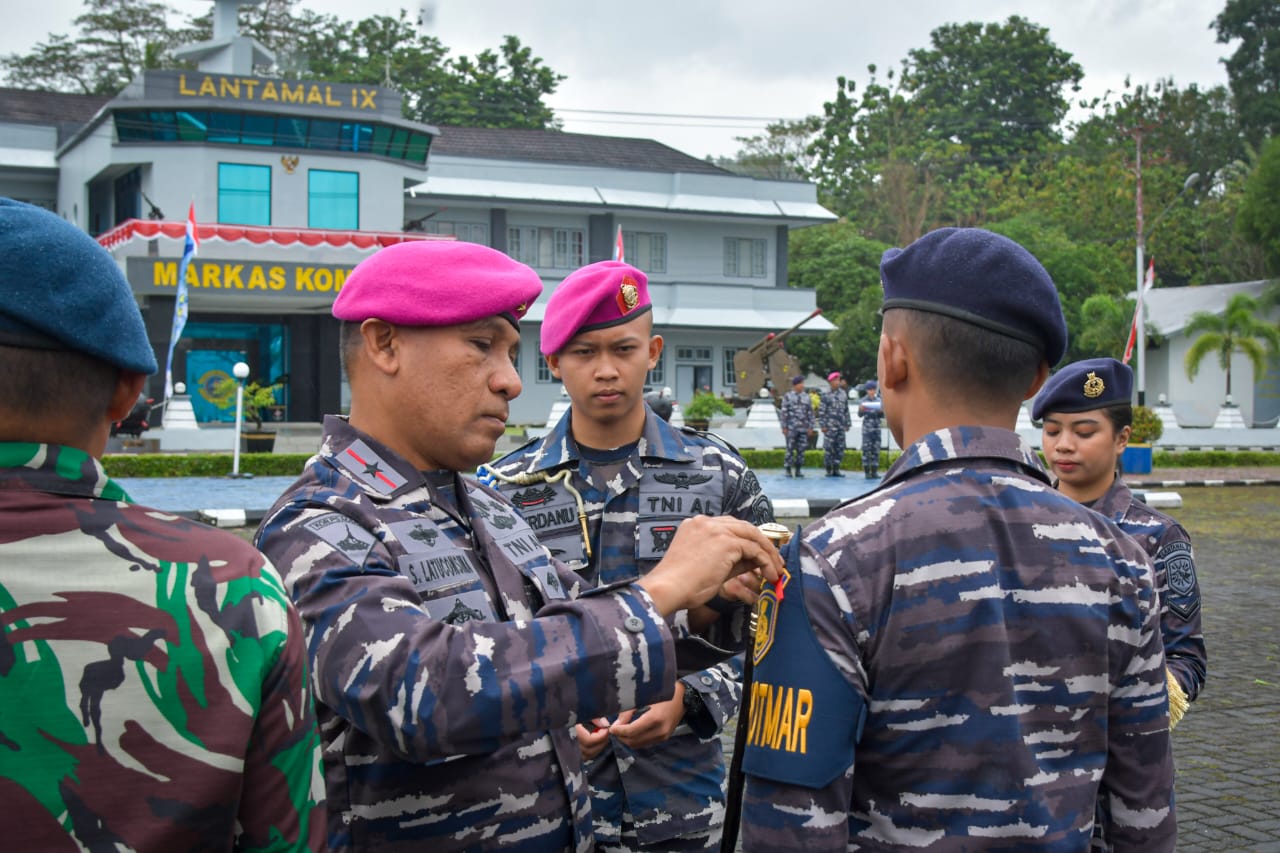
241, 373
1143, 234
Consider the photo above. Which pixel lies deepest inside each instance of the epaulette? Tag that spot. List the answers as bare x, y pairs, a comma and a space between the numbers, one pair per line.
715, 439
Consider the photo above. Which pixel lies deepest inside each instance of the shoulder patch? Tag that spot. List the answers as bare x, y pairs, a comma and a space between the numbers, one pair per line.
1180, 571
343, 534
370, 468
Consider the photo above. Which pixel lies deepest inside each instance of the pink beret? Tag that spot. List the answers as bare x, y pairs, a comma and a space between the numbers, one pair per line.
599, 295
833, 376
437, 283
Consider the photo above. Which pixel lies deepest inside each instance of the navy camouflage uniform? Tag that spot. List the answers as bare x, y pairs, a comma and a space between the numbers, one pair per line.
1167, 543
962, 659
796, 418
872, 414
834, 421
450, 657
674, 789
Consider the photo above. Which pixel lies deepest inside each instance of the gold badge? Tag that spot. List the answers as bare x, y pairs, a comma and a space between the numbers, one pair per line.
1093, 386
520, 309
767, 618
628, 295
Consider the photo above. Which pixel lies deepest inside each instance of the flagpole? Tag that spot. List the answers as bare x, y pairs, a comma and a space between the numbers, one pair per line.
1141, 315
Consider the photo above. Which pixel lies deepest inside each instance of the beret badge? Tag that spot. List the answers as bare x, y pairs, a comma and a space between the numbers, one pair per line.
628, 295
1094, 386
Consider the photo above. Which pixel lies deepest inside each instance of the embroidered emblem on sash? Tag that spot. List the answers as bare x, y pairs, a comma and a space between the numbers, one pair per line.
767, 617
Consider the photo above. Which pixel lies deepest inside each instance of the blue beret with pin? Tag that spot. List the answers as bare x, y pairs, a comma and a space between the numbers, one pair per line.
1081, 386
60, 290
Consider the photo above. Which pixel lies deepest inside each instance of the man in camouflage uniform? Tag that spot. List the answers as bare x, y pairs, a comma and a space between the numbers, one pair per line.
834, 420
964, 658
656, 777
872, 414
796, 418
451, 655
152, 672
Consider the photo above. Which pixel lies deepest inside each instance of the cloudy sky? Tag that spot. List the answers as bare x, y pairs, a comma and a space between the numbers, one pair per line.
702, 72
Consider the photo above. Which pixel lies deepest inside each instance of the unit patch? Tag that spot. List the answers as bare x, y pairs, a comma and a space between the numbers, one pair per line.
343, 534
1180, 569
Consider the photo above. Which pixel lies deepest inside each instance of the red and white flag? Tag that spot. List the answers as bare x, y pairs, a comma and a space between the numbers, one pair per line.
618, 254
1137, 312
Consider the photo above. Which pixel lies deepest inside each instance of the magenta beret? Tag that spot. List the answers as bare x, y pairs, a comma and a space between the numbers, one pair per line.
833, 376
437, 283
597, 296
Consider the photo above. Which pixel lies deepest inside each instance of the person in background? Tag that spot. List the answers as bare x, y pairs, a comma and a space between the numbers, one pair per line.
1087, 418
152, 672
964, 658
796, 418
834, 420
657, 775
872, 414
452, 656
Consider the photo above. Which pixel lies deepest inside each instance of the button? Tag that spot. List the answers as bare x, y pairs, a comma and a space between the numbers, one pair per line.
707, 680
634, 624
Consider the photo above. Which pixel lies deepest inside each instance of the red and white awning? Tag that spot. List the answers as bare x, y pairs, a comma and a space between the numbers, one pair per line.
148, 229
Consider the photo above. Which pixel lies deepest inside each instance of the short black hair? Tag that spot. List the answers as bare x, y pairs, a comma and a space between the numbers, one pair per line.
43, 383
349, 342
963, 359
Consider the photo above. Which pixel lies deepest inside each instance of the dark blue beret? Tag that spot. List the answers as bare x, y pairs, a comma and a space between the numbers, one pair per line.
1084, 385
59, 289
979, 277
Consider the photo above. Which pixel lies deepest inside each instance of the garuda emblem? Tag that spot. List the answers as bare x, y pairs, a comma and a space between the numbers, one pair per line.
682, 480
533, 497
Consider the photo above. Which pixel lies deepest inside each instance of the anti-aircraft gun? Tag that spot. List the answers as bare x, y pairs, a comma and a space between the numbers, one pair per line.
768, 359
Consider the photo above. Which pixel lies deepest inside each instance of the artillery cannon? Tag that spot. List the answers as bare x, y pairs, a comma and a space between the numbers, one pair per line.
767, 359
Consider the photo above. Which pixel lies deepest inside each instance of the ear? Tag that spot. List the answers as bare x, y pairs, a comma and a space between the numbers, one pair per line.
1122, 438
1042, 375
381, 345
553, 364
655, 350
128, 387
895, 363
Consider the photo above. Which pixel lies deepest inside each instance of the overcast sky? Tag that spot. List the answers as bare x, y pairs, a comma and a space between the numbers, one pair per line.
752, 60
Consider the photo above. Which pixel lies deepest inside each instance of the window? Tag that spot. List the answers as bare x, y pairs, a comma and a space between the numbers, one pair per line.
470, 232
548, 248
745, 258
645, 251
693, 354
333, 199
244, 194
544, 372
730, 374
657, 376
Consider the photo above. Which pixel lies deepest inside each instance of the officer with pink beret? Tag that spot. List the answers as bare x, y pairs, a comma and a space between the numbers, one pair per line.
450, 653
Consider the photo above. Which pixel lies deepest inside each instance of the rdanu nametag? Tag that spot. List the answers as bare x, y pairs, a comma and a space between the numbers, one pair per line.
804, 717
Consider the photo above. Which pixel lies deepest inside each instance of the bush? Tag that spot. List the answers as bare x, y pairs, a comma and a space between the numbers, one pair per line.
705, 404
1147, 426
202, 464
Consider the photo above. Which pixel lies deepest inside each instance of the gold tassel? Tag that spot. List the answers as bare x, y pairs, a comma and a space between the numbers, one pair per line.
1178, 703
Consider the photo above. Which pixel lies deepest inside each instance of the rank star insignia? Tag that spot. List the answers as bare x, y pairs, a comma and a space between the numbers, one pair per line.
373, 469
1093, 386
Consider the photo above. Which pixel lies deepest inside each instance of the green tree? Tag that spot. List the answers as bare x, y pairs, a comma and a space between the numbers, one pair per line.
780, 153
1259, 218
1254, 69
1104, 326
1238, 329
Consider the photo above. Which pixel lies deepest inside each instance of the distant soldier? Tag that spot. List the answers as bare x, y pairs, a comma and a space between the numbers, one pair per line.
834, 420
451, 655
153, 683
796, 418
965, 658
872, 414
657, 778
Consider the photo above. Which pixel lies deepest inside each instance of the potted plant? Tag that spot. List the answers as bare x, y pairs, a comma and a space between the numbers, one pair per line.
259, 399
704, 404
1145, 430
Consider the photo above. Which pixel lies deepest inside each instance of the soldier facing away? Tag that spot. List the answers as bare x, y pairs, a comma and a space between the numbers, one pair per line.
657, 775
965, 657
451, 655
152, 672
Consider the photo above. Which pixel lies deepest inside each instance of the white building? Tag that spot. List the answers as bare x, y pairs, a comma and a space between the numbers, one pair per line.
294, 182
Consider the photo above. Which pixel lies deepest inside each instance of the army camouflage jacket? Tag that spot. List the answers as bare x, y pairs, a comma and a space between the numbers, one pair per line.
797, 411
152, 675
674, 788
449, 658
833, 411
969, 659
1167, 543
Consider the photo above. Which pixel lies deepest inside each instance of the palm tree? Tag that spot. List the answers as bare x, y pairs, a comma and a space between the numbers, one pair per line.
1238, 329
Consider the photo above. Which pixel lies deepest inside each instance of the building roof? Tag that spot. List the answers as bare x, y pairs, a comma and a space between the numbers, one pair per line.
557, 146
49, 108
1169, 308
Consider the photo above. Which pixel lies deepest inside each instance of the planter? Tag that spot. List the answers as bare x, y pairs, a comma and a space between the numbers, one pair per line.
1136, 459
695, 423
258, 442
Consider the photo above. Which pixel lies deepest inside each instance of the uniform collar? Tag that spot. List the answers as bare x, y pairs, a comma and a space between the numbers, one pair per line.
1115, 502
968, 442
658, 440
57, 469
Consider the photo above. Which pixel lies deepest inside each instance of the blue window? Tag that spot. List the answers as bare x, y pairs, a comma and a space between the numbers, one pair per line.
244, 194
333, 199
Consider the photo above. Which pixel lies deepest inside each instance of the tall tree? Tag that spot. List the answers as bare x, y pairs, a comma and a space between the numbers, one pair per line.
780, 153
1254, 69
1238, 329
1259, 219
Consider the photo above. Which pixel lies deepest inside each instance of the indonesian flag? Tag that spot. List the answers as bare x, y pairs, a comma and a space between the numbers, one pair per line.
1137, 312
190, 245
618, 254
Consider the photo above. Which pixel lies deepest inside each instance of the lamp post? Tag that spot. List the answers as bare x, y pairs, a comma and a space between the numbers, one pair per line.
1143, 234
241, 373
